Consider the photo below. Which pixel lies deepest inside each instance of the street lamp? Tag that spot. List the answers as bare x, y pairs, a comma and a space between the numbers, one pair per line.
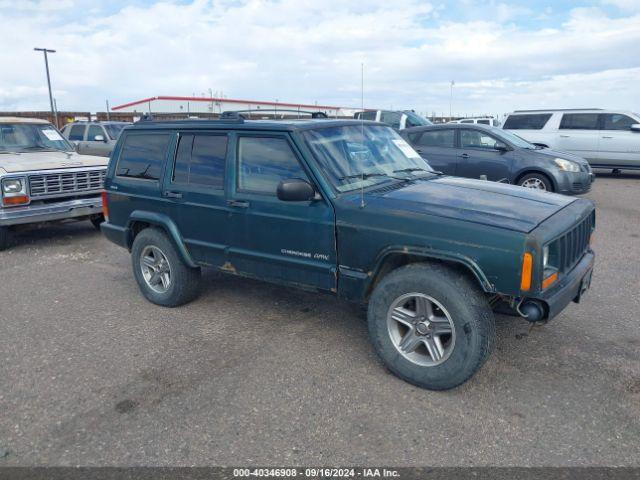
46, 64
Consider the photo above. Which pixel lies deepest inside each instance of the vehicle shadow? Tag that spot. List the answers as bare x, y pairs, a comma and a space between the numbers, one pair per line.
62, 233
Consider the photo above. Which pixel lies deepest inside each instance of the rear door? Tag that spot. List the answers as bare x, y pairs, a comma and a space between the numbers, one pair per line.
287, 242
619, 145
194, 189
478, 156
579, 134
438, 148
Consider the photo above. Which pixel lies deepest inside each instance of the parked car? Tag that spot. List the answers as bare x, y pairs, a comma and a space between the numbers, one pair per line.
394, 118
43, 179
347, 208
478, 151
94, 138
606, 138
481, 120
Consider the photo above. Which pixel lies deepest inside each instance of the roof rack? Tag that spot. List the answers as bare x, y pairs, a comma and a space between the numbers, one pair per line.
274, 111
555, 110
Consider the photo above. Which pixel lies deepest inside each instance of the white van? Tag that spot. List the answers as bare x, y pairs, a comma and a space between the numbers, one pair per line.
478, 120
606, 138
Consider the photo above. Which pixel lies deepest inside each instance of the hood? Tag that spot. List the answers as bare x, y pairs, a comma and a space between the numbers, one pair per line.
29, 161
488, 203
547, 152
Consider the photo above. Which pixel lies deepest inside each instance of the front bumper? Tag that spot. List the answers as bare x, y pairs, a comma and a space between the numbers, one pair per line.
574, 183
569, 287
48, 212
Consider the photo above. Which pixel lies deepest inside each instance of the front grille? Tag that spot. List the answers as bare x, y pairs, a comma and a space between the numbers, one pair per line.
65, 183
573, 244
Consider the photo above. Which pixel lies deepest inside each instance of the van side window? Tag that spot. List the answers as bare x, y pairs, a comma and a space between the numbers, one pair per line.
535, 121
616, 121
579, 121
263, 162
143, 155
200, 160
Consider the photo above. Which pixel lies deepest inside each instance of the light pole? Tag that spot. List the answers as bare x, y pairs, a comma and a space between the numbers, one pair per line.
451, 99
54, 112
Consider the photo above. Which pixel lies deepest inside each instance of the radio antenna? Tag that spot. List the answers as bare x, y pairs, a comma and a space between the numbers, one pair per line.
362, 128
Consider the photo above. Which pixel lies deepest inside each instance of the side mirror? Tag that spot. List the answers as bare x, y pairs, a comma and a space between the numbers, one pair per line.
501, 147
295, 190
98, 138
635, 127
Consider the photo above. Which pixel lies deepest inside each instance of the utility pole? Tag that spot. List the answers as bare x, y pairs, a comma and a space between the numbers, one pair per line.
108, 116
451, 99
54, 113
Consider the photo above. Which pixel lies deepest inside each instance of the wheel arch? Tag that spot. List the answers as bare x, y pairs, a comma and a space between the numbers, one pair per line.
139, 220
539, 171
393, 258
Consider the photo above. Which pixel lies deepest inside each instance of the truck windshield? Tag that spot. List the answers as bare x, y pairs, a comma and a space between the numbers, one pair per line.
358, 156
115, 129
31, 137
415, 120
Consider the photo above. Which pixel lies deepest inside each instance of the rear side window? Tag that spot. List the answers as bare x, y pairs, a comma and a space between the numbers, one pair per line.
484, 122
617, 121
200, 160
535, 121
93, 131
143, 155
437, 138
368, 115
263, 162
579, 121
391, 118
76, 132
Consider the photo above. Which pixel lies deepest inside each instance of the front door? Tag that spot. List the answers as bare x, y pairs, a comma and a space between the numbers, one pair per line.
195, 195
477, 156
97, 142
437, 147
288, 242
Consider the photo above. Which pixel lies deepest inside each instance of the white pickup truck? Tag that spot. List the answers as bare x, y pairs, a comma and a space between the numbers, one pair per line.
605, 138
43, 179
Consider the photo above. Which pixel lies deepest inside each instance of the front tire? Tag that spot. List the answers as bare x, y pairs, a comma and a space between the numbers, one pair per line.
430, 325
162, 275
537, 181
96, 221
5, 238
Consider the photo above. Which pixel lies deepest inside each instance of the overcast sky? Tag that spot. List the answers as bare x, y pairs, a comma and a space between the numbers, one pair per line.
501, 55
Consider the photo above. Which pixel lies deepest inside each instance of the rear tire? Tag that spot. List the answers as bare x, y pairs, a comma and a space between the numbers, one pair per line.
5, 238
162, 275
536, 181
459, 323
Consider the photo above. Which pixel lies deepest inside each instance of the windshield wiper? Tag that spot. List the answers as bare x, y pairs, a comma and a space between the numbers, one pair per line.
365, 175
417, 169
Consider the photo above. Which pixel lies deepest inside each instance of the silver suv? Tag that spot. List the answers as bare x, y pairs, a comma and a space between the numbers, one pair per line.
94, 138
606, 138
42, 179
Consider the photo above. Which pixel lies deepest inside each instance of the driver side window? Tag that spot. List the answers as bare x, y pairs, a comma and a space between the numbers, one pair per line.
263, 162
476, 139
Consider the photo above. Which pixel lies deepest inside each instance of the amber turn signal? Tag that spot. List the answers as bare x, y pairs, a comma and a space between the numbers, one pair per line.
105, 205
17, 200
525, 276
549, 280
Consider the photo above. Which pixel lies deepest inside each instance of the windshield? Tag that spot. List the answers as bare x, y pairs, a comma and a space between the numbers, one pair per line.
514, 139
415, 120
31, 137
358, 156
114, 129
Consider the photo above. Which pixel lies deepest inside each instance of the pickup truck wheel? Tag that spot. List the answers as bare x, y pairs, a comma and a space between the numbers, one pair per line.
162, 276
4, 238
96, 221
430, 325
536, 181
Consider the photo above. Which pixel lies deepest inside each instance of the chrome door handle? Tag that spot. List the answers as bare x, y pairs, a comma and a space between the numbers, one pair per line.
607, 137
238, 203
173, 194
564, 136
465, 155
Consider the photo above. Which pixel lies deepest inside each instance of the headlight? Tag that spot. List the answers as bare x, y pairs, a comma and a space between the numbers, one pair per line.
13, 185
566, 165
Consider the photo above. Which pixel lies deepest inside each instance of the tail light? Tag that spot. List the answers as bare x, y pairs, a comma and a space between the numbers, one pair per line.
105, 205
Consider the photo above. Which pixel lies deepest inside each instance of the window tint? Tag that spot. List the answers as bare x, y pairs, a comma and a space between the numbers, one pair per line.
391, 118
263, 162
368, 115
437, 138
579, 121
466, 121
200, 160
484, 122
476, 139
77, 132
93, 131
143, 155
527, 122
617, 121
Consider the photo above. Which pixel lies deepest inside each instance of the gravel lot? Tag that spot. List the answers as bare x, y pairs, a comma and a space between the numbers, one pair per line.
250, 373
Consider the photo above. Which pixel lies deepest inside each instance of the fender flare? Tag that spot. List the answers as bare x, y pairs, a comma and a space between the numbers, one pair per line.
432, 254
165, 223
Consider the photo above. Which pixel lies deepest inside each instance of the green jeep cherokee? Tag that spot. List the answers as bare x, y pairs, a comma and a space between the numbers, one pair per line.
349, 208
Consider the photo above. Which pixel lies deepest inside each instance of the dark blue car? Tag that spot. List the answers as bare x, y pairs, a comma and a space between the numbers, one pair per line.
478, 151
